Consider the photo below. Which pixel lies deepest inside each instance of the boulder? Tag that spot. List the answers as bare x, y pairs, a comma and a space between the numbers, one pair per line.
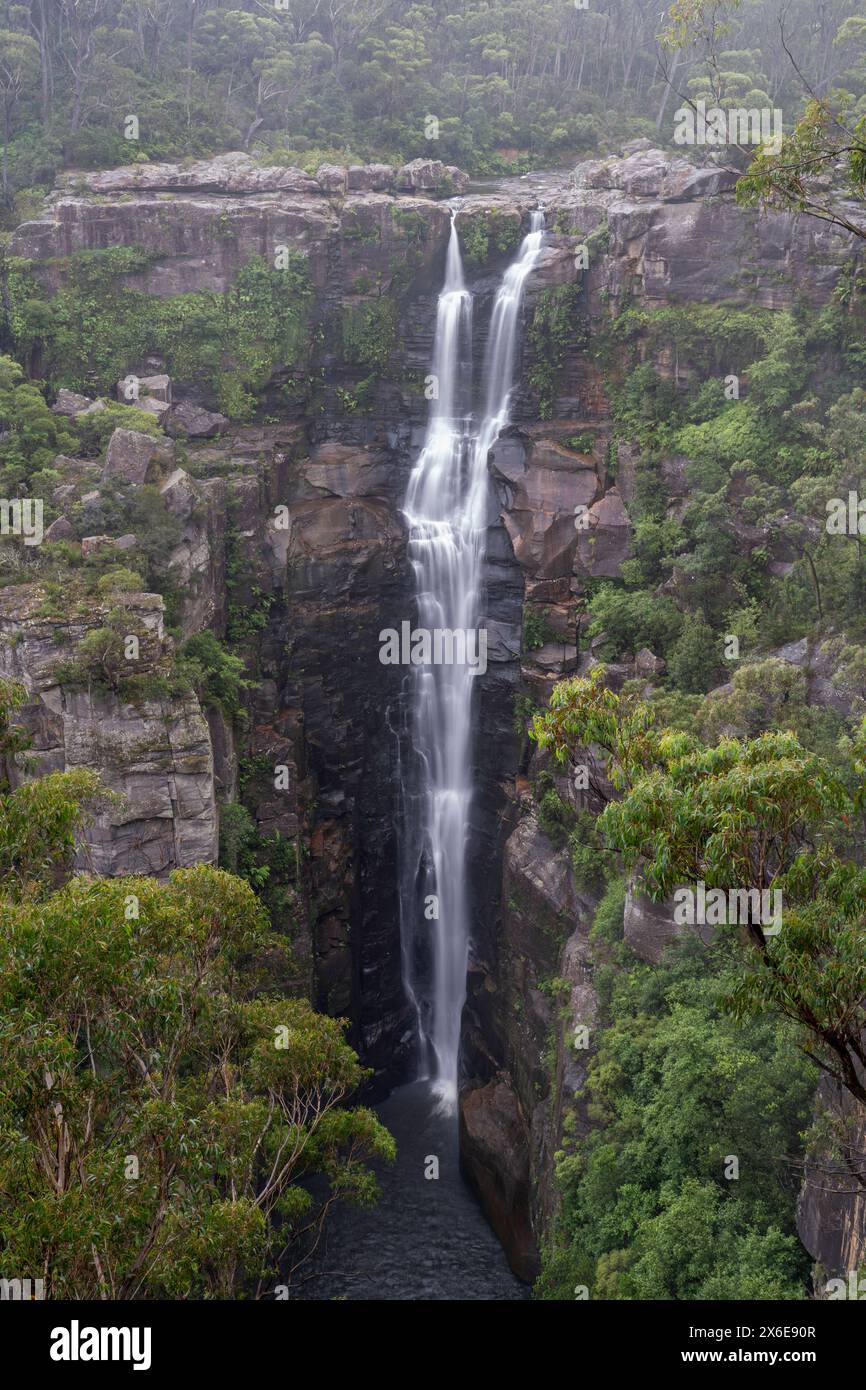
71, 404
137, 390
194, 422
332, 178
424, 176
370, 178
91, 544
60, 530
131, 454
604, 540
647, 664
653, 173
457, 180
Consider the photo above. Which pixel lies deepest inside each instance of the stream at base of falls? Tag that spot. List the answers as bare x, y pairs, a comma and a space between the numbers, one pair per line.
427, 1238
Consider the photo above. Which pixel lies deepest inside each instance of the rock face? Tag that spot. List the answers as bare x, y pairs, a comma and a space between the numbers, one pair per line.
673, 236
831, 1217
155, 754
495, 1155
511, 1114
130, 456
291, 544
186, 420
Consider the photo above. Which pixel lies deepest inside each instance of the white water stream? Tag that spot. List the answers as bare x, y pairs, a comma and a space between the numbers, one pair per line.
446, 507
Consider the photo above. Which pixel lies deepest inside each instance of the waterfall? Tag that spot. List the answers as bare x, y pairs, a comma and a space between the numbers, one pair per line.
446, 509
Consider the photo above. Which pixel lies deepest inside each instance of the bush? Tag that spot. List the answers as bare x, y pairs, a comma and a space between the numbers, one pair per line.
216, 675
633, 619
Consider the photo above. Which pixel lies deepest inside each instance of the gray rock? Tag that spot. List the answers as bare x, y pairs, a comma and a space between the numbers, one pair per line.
186, 420
91, 544
494, 1151
605, 540
456, 179
69, 403
153, 388
60, 530
130, 455
423, 176
332, 178
646, 663
235, 172
156, 754
650, 926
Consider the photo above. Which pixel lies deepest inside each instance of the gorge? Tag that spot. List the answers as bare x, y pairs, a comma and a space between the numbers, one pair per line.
360, 786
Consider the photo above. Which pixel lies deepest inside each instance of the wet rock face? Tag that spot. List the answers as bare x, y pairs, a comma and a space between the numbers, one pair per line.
494, 1155
511, 1105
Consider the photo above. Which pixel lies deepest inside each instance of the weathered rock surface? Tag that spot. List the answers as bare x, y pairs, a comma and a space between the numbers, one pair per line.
156, 754
187, 420
130, 455
508, 1099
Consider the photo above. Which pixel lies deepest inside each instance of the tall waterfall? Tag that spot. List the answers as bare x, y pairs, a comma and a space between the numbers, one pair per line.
446, 509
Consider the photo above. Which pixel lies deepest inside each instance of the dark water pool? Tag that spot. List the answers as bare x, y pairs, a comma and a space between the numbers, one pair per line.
426, 1239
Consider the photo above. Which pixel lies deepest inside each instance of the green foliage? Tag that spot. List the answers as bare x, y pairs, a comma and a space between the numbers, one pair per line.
674, 1089
631, 620
124, 1002
536, 629
216, 675
95, 327
95, 429
557, 327
483, 234
30, 435
555, 816
694, 658
607, 924
369, 334
763, 813
119, 581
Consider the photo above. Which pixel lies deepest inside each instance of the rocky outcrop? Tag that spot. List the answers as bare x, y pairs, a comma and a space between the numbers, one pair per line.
495, 1156
239, 173
154, 753
131, 456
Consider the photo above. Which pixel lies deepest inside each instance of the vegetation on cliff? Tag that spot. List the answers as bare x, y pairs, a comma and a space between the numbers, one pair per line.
162, 1101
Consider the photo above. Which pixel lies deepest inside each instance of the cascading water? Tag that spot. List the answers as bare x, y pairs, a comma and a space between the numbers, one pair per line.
446, 509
